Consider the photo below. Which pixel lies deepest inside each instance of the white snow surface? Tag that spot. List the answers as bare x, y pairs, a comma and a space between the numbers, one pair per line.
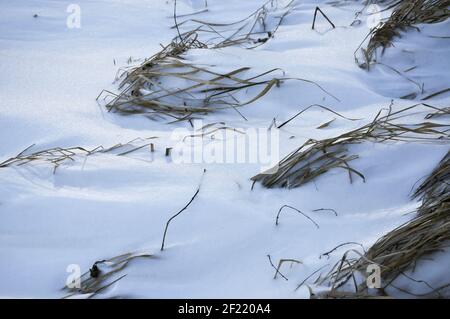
50, 76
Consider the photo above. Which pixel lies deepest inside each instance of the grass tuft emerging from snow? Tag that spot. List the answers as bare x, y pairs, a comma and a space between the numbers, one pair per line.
316, 157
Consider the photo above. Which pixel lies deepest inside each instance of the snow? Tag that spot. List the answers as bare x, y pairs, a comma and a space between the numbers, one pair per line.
108, 205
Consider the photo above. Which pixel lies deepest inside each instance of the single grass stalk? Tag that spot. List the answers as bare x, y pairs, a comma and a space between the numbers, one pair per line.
179, 212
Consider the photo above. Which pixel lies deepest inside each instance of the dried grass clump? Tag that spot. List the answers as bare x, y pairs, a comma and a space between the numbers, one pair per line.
406, 15
101, 275
316, 157
401, 249
58, 155
249, 32
165, 85
202, 91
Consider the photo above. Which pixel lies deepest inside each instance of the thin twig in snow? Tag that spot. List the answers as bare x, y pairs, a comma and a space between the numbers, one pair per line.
276, 269
315, 14
287, 206
183, 209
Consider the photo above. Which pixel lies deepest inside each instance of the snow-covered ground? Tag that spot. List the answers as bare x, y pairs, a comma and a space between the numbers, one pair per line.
106, 205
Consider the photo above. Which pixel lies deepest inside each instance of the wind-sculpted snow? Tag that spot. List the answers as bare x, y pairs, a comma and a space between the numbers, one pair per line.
96, 208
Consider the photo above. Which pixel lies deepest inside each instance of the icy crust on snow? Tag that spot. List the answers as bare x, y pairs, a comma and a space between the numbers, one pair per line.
106, 205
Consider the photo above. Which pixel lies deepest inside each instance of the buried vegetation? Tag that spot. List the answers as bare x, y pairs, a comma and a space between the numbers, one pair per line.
58, 155
316, 157
167, 86
406, 15
249, 32
399, 251
102, 275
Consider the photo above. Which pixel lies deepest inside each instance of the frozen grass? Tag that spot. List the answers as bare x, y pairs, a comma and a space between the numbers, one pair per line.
102, 275
249, 32
59, 155
406, 15
168, 86
316, 157
402, 248
199, 90
165, 85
